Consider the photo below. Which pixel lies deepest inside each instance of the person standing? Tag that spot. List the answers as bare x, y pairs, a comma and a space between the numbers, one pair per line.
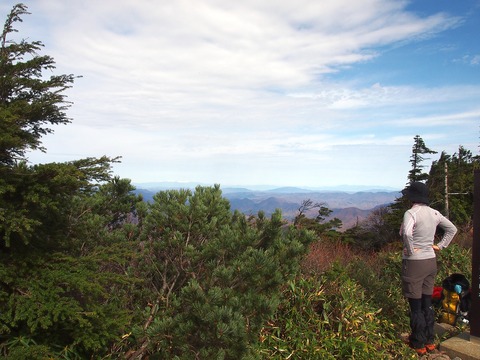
419, 264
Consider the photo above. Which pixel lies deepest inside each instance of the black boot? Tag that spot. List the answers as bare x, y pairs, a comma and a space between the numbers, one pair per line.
417, 324
429, 315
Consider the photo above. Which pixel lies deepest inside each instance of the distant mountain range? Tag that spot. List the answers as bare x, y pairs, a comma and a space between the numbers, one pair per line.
349, 207
166, 185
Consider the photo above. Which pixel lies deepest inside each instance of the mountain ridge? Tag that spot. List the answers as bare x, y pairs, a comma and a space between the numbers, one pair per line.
169, 185
350, 207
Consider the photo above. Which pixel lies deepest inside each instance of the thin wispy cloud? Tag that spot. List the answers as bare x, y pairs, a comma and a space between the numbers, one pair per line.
469, 119
473, 60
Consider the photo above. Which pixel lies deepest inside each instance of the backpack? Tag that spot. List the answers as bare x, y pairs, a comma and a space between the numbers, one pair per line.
455, 299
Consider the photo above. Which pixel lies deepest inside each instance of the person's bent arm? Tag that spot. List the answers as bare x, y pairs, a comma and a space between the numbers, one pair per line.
449, 232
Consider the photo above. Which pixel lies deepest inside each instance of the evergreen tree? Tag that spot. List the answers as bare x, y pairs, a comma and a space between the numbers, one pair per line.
29, 102
76, 297
318, 223
65, 289
35, 198
419, 148
451, 182
215, 276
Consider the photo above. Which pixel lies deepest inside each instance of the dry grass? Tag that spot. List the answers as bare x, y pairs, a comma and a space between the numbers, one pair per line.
322, 255
464, 239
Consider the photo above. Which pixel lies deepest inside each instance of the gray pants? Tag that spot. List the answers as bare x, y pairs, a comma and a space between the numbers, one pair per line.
418, 277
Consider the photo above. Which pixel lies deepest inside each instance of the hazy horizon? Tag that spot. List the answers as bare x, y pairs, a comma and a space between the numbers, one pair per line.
265, 187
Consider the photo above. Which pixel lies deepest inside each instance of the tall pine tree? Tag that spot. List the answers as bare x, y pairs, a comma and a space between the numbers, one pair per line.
29, 102
418, 150
35, 199
56, 273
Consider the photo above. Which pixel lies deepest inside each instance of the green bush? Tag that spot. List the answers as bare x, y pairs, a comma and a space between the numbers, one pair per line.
354, 311
214, 276
379, 275
454, 259
329, 318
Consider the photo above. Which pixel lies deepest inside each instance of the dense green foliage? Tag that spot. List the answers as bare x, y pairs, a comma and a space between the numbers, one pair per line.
451, 183
349, 310
213, 277
70, 291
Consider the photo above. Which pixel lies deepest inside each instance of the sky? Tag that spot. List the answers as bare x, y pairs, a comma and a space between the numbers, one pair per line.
306, 93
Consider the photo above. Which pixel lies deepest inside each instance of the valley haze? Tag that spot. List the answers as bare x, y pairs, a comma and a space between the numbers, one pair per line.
350, 204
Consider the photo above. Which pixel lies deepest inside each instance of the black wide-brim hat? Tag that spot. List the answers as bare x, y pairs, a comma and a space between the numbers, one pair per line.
417, 192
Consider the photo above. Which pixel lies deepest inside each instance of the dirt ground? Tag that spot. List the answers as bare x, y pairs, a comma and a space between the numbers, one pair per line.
437, 354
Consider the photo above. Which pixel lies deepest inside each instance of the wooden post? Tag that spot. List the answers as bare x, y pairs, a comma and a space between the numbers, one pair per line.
447, 209
474, 313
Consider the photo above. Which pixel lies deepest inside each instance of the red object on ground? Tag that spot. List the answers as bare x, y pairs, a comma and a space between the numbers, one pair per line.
437, 293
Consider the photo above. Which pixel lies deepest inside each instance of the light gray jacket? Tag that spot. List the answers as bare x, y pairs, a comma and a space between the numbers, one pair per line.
418, 232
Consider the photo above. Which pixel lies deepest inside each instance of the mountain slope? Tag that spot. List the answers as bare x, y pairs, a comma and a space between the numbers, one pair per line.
350, 208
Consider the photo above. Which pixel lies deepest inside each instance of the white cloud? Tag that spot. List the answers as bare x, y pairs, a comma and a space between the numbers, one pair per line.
208, 43
475, 60
456, 119
230, 87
